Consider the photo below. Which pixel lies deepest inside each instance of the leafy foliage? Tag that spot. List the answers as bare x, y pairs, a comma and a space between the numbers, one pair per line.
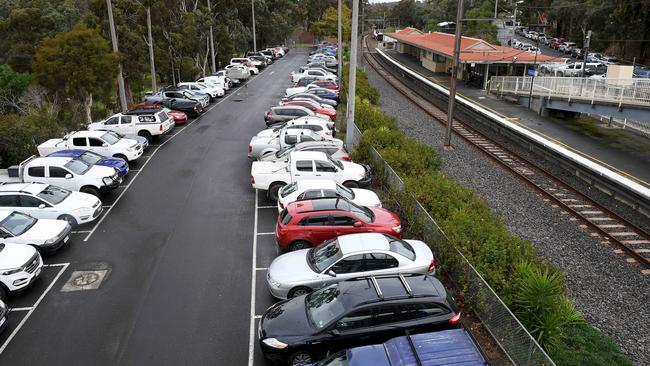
328, 24
12, 86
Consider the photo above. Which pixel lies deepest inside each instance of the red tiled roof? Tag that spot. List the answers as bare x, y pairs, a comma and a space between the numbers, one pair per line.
471, 49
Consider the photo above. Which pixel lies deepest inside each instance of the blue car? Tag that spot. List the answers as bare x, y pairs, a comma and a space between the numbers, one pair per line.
448, 347
92, 158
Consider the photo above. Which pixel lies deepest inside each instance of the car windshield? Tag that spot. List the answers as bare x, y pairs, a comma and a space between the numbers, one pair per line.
345, 191
17, 223
324, 255
335, 162
323, 306
77, 166
53, 194
111, 138
90, 157
363, 213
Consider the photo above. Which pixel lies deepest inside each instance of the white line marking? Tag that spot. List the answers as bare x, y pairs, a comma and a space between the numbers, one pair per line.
261, 268
135, 170
22, 322
22, 309
80, 232
271, 233
268, 207
55, 264
107, 206
251, 339
92, 231
123, 185
257, 317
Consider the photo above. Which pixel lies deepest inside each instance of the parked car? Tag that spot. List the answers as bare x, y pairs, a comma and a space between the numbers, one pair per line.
575, 70
577, 53
45, 201
20, 265
91, 158
314, 97
65, 172
595, 69
566, 47
319, 74
323, 93
304, 329
641, 71
212, 91
286, 113
176, 101
282, 138
302, 86
446, 347
220, 79
610, 60
142, 122
555, 43
332, 148
46, 235
103, 143
200, 97
325, 188
273, 175
180, 118
318, 125
308, 223
532, 35
327, 84
326, 110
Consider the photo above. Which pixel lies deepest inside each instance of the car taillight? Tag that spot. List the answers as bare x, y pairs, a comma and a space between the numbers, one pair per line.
346, 158
283, 231
281, 205
161, 127
455, 319
252, 180
432, 265
250, 148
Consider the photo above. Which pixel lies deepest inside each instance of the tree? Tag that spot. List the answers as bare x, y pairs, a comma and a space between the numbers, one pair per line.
76, 65
328, 24
483, 29
12, 86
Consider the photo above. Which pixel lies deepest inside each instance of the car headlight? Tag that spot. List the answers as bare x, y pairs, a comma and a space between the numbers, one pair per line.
50, 241
397, 229
274, 343
107, 180
11, 271
274, 283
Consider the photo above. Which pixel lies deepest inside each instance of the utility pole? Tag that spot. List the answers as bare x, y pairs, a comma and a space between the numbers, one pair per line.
454, 75
254, 37
214, 64
339, 50
352, 84
120, 78
532, 78
151, 59
585, 51
496, 4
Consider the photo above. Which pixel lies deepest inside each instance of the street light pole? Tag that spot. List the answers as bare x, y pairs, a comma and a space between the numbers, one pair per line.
339, 50
214, 64
496, 4
454, 75
120, 77
352, 83
151, 59
532, 78
254, 37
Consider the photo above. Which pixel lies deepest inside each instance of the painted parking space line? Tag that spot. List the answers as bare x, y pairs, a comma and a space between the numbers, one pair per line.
269, 233
261, 269
268, 207
22, 309
251, 339
80, 232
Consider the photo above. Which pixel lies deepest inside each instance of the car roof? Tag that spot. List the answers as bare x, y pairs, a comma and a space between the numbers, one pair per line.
75, 153
87, 134
363, 242
308, 184
32, 188
313, 155
394, 287
289, 106
51, 160
320, 204
307, 120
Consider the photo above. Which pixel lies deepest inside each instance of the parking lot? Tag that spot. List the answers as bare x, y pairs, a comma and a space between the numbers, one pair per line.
164, 275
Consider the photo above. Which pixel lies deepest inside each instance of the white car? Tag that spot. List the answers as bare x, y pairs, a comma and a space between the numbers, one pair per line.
209, 89
20, 265
317, 188
299, 89
316, 124
144, 122
44, 234
44, 201
105, 143
314, 74
219, 80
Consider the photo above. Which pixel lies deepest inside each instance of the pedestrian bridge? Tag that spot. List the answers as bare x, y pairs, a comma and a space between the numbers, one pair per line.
615, 98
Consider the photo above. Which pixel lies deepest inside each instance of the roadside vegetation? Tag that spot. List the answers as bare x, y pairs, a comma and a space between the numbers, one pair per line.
530, 286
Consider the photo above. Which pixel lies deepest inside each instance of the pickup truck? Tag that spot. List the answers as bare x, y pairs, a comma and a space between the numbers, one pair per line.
68, 173
142, 122
447, 347
273, 175
100, 142
280, 139
551, 67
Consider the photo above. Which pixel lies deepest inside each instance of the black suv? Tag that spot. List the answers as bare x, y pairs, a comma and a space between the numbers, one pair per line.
353, 313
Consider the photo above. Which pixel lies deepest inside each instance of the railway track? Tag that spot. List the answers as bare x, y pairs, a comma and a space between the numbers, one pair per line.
614, 230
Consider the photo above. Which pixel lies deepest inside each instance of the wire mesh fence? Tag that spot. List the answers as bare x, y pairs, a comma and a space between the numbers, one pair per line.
520, 347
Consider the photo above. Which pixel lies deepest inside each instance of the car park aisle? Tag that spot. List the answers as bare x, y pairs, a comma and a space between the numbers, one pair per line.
174, 253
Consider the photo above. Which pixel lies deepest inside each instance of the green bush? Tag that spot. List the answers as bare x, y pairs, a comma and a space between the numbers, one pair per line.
20, 135
583, 344
363, 88
367, 116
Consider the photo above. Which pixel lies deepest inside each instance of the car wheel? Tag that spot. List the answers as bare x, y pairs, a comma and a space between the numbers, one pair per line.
121, 156
146, 135
300, 358
351, 184
274, 190
90, 190
298, 291
299, 244
71, 220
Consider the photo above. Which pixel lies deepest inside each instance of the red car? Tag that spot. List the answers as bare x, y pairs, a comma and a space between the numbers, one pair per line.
314, 107
308, 223
327, 84
179, 117
555, 43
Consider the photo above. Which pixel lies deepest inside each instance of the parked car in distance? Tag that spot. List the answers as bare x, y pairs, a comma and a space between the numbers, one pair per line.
318, 125
287, 113
177, 102
566, 47
445, 347
308, 223
348, 256
45, 201
323, 93
325, 188
179, 117
326, 110
90, 158
610, 60
327, 84
314, 97
577, 53
301, 86
319, 74
104, 143
220, 79
304, 329
46, 235
284, 137
142, 122
595, 69
335, 149
212, 91
554, 43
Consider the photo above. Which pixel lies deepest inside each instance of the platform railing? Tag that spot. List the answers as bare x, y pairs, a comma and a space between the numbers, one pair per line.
618, 91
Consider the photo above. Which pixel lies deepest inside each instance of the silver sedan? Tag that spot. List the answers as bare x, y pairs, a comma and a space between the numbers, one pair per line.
349, 256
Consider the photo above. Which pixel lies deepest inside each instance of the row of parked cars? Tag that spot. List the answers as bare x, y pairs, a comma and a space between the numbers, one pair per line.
346, 278
43, 198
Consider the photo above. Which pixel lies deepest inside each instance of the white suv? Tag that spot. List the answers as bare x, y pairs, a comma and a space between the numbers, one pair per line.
45, 235
45, 201
212, 90
20, 265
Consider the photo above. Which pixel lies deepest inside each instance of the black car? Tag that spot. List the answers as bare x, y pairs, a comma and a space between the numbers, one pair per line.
175, 100
353, 313
599, 69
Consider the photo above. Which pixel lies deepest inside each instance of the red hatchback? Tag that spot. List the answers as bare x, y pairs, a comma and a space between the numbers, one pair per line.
308, 223
179, 117
314, 107
327, 84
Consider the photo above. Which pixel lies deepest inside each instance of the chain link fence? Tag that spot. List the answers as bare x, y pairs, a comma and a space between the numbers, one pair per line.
515, 341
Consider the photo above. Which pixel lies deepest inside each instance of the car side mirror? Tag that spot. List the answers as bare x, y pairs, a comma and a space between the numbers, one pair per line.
105, 144
331, 273
41, 206
358, 224
68, 176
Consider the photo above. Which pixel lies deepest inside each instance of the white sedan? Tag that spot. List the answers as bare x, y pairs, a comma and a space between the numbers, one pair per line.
318, 188
45, 235
315, 124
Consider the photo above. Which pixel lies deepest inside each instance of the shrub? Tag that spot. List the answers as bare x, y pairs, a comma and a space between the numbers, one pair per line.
20, 135
367, 116
582, 344
363, 88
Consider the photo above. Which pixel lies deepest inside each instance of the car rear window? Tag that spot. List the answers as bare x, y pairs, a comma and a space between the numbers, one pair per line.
285, 218
401, 247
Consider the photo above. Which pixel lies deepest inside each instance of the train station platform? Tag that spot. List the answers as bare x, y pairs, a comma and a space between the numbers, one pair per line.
621, 150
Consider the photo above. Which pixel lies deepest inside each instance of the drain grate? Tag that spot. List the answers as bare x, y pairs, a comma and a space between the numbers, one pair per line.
85, 280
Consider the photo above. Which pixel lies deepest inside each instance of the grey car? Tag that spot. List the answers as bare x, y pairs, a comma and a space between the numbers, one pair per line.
287, 113
333, 148
314, 97
348, 256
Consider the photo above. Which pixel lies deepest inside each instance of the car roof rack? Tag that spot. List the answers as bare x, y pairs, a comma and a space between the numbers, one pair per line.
413, 349
375, 284
406, 285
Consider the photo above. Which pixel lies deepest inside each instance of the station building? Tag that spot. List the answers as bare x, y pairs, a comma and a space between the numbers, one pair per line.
479, 59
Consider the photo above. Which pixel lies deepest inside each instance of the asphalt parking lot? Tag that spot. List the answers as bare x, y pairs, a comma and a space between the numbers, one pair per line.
164, 276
